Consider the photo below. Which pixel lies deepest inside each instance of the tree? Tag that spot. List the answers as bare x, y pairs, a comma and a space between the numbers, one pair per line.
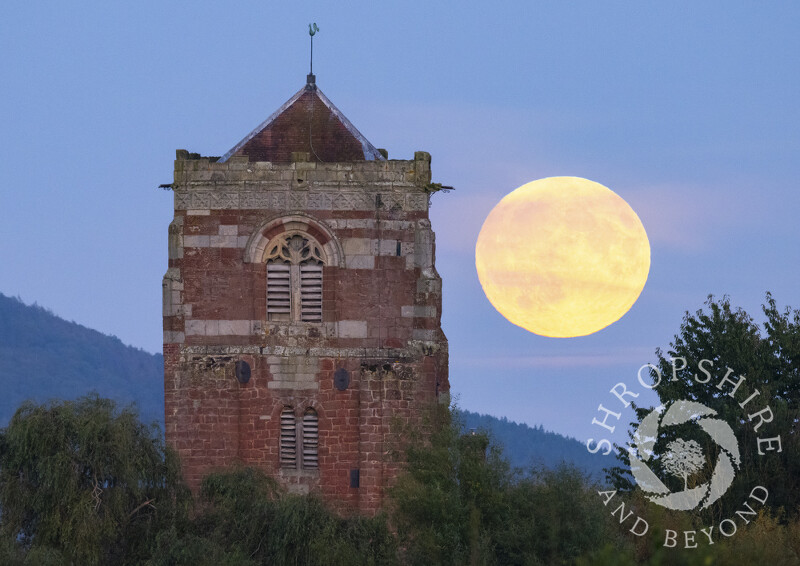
452, 494
683, 458
459, 502
769, 362
85, 482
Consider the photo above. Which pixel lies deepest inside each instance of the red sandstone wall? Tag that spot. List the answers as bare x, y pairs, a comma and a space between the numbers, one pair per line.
213, 421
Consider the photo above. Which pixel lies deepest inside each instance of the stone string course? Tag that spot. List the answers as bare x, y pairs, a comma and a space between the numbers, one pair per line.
200, 201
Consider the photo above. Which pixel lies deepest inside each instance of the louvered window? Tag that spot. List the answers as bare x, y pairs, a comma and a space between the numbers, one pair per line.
294, 279
311, 293
299, 433
310, 439
279, 291
288, 439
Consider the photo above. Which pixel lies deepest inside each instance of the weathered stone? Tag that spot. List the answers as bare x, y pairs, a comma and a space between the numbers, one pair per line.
352, 329
417, 311
357, 246
365, 310
360, 261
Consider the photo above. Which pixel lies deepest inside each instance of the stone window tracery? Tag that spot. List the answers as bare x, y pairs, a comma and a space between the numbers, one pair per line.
294, 279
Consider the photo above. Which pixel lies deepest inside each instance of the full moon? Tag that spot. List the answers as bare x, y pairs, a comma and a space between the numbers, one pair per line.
562, 257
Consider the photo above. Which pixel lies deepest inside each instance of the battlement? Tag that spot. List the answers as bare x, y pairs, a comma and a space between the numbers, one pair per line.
208, 172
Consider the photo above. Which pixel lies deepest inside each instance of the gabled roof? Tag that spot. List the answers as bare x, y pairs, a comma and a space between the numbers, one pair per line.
308, 122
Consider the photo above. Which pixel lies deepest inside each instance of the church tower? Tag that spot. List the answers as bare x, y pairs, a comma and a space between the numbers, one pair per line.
302, 307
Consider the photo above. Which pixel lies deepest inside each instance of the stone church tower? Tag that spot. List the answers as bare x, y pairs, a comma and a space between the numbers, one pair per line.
302, 308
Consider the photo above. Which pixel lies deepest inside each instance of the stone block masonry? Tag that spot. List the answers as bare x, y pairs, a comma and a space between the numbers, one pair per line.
321, 278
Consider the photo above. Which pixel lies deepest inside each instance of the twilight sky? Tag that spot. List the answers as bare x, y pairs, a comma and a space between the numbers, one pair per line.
688, 110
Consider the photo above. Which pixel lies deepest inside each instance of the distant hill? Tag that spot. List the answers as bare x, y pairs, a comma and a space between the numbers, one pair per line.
45, 357
534, 447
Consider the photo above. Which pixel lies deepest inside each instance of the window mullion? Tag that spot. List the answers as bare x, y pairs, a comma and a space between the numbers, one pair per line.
295, 286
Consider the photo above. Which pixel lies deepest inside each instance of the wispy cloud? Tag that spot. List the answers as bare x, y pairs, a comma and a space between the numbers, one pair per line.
636, 357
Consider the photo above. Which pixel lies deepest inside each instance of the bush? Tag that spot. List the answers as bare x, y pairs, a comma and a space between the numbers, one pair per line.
247, 519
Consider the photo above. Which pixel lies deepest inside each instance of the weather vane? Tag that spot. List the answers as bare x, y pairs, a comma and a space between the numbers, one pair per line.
312, 29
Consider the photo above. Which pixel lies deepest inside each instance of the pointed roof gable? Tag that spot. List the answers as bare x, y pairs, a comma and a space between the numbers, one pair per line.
308, 122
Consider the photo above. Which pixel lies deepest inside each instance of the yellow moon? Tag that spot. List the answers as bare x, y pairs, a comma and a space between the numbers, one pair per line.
562, 257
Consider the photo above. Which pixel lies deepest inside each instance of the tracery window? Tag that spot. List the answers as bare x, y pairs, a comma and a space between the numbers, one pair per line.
294, 279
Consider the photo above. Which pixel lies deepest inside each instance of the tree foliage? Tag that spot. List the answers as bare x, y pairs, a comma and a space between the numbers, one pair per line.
85, 482
459, 502
247, 519
768, 359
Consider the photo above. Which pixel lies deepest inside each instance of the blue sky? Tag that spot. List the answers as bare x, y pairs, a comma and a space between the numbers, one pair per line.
688, 110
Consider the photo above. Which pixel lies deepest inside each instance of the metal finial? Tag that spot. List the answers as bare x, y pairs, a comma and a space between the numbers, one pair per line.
312, 29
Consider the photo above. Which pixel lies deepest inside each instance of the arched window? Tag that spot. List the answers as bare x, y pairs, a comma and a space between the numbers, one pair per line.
299, 433
294, 279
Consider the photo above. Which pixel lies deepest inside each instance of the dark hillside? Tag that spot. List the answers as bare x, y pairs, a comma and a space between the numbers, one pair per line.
534, 447
47, 357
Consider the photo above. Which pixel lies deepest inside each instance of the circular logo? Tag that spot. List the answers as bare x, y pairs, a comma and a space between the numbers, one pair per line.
683, 457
